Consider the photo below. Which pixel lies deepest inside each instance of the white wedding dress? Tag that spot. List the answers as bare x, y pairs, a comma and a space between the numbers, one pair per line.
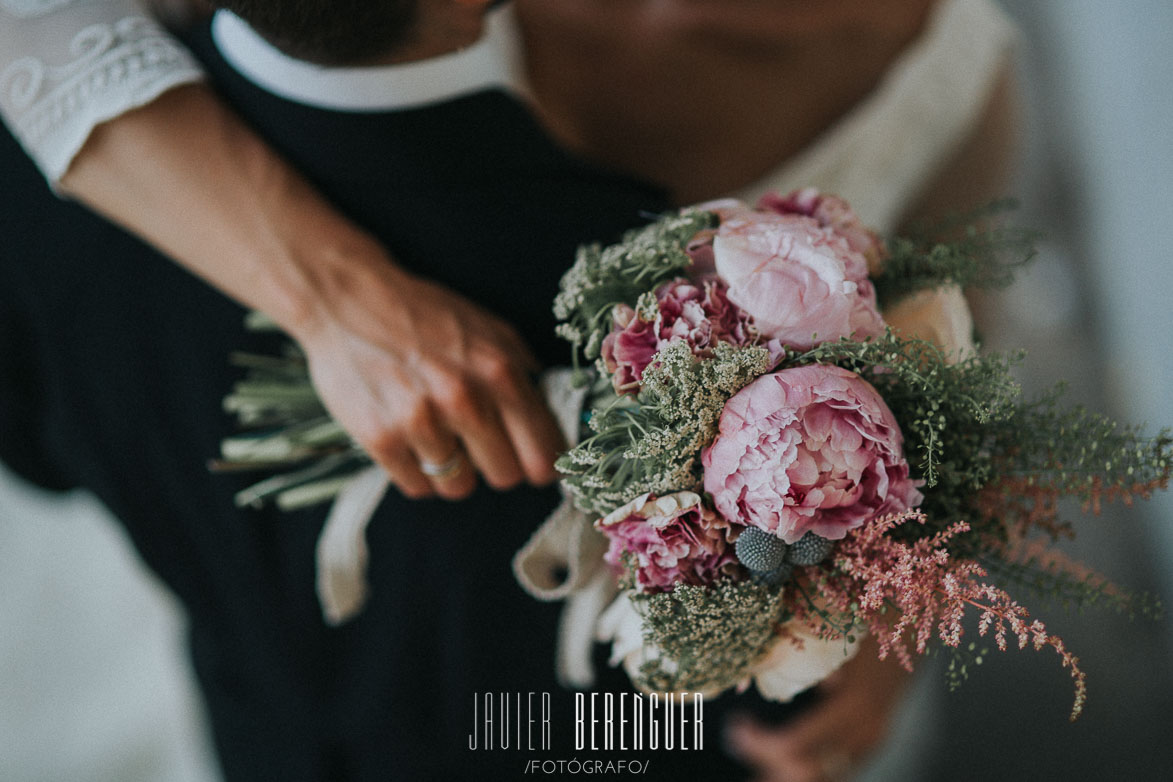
881, 155
68, 65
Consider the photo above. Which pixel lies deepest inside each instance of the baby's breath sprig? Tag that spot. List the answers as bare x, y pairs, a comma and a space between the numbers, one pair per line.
709, 636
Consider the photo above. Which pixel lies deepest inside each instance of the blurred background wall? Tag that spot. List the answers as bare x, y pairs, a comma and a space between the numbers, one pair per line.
1097, 177
93, 678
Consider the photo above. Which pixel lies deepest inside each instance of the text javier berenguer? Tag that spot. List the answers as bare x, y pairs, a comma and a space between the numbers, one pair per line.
602, 721
629, 720
510, 720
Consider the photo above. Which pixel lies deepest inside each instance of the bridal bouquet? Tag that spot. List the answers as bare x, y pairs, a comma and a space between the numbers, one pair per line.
765, 469
778, 473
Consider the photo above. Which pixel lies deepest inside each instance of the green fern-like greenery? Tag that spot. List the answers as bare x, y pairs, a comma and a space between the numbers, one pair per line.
1071, 588
978, 254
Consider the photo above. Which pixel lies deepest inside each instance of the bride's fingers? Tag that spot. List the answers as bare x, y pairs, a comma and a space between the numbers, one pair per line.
470, 413
451, 475
402, 466
491, 451
439, 457
532, 430
825, 729
863, 694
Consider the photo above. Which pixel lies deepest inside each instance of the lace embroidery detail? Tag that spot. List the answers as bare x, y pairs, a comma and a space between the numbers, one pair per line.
27, 9
107, 57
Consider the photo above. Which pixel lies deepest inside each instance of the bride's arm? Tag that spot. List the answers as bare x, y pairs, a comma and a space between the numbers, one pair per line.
402, 363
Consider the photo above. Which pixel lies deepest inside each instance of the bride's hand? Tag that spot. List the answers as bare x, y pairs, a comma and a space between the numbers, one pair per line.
829, 741
412, 371
428, 382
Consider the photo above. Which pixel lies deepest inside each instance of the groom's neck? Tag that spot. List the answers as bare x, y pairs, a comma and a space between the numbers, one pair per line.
441, 27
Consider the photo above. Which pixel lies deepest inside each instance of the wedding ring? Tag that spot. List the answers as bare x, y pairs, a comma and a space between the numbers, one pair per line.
446, 469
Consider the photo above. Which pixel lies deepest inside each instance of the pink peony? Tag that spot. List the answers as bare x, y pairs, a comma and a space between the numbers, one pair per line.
808, 449
674, 539
830, 212
698, 313
802, 283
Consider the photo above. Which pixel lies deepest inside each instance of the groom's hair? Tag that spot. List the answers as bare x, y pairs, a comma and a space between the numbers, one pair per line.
329, 32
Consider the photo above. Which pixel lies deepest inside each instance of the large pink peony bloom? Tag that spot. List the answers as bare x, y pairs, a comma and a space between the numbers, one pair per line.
698, 313
830, 212
674, 538
808, 449
802, 283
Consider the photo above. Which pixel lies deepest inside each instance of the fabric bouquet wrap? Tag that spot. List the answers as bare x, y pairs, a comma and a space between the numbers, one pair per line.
768, 464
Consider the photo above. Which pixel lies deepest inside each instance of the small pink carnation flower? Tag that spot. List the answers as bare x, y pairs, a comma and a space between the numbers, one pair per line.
674, 539
801, 282
832, 212
697, 312
808, 449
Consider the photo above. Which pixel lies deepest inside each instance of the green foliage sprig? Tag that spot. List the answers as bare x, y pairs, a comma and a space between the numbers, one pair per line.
653, 442
1071, 586
602, 277
978, 254
286, 430
1048, 451
961, 658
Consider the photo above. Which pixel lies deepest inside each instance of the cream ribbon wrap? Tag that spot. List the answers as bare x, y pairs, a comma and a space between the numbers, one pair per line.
563, 560
342, 552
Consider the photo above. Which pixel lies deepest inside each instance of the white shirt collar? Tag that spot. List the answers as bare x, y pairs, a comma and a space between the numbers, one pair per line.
492, 62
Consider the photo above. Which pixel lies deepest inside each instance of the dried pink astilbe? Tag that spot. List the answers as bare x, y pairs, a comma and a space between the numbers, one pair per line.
930, 592
1023, 505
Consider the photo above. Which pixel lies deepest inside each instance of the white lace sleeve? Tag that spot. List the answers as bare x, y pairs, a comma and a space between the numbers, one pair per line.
68, 65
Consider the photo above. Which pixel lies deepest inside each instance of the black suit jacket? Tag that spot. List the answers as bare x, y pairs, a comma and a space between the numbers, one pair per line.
113, 362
